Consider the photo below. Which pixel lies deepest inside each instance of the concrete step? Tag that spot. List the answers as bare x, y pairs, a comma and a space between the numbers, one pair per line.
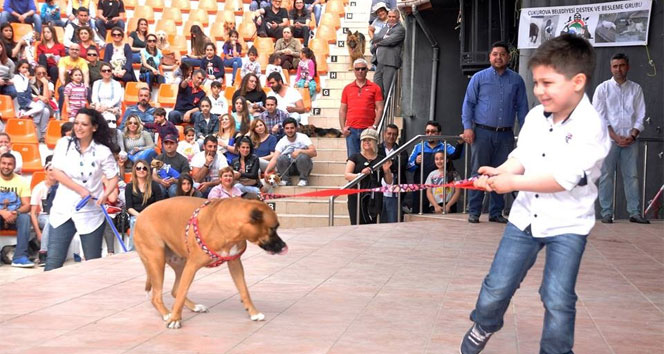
319, 206
346, 75
327, 179
325, 122
329, 143
331, 154
329, 103
329, 167
294, 221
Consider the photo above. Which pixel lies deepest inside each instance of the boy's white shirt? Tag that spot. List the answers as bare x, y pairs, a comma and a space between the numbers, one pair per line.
572, 151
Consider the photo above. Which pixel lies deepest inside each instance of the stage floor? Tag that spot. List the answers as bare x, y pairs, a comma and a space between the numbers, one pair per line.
390, 288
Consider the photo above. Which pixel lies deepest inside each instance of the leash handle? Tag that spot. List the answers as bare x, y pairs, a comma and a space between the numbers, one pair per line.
85, 201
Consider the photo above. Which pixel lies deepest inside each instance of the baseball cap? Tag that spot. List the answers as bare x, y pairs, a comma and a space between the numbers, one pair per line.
379, 5
369, 134
171, 137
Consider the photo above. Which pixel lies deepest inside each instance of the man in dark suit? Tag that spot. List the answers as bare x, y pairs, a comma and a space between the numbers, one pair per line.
387, 44
390, 200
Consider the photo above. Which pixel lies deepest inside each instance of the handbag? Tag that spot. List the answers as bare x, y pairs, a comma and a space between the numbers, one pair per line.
121, 221
150, 62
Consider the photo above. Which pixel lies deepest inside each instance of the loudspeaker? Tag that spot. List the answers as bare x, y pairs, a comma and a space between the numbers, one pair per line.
483, 22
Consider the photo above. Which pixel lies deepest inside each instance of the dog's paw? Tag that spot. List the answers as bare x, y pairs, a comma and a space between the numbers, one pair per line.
200, 308
174, 325
258, 317
166, 317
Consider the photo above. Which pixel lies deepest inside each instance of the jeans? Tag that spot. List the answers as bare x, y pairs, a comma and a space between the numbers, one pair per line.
147, 155
389, 213
626, 158
170, 191
102, 26
60, 237
353, 141
247, 189
255, 5
302, 165
34, 19
51, 69
193, 62
490, 148
234, 63
151, 78
311, 86
317, 12
22, 227
130, 242
9, 90
42, 219
516, 253
175, 117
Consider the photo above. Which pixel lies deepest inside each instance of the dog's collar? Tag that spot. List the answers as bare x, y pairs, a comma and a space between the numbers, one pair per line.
217, 259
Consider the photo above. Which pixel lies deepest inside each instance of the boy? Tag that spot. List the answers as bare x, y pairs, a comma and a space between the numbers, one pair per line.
219, 103
251, 65
555, 165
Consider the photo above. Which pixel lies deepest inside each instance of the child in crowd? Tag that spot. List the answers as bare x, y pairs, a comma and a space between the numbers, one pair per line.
50, 13
219, 103
21, 82
41, 200
306, 71
188, 147
560, 151
442, 198
182, 72
274, 66
76, 94
252, 65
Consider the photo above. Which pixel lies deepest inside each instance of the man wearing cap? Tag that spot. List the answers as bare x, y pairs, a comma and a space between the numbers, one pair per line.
361, 106
172, 160
387, 45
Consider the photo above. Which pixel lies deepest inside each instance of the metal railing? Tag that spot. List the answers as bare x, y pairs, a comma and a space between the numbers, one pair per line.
421, 139
389, 105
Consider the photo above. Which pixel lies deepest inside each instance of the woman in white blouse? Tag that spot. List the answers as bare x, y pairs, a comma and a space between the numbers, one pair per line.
107, 93
79, 164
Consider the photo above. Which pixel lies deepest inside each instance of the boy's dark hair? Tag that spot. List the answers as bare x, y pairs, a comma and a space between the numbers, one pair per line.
253, 51
276, 76
66, 128
392, 126
159, 112
84, 9
210, 138
568, 54
620, 56
289, 121
8, 155
272, 98
215, 84
501, 44
433, 123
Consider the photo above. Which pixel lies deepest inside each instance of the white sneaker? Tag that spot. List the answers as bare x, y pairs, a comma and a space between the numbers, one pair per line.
302, 183
284, 182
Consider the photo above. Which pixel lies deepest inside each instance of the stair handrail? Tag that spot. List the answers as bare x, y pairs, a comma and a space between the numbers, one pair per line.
421, 139
389, 106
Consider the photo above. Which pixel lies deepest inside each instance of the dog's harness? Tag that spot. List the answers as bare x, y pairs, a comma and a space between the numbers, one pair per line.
217, 259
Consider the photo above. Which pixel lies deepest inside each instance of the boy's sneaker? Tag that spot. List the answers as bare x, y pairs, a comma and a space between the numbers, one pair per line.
22, 262
77, 257
285, 182
474, 340
302, 183
42, 259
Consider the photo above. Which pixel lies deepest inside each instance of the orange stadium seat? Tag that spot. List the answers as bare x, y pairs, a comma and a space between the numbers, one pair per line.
132, 25
183, 5
178, 43
156, 5
20, 30
199, 15
166, 25
217, 31
7, 107
264, 45
145, 12
180, 129
208, 5
306, 98
327, 33
286, 75
320, 47
247, 31
321, 66
30, 155
335, 7
167, 95
225, 16
234, 5
22, 131
129, 4
228, 93
172, 13
131, 91
60, 33
53, 132
287, 4
331, 20
37, 177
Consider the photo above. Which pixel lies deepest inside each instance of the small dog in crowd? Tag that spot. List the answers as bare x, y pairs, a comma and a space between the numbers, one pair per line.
312, 131
164, 171
356, 46
162, 40
270, 182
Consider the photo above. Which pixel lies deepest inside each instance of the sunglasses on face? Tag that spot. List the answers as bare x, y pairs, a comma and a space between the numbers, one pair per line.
106, 70
92, 54
117, 35
141, 168
152, 40
132, 123
111, 121
361, 69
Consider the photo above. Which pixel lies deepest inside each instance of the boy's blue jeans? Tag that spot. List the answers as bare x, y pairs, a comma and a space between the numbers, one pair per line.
516, 253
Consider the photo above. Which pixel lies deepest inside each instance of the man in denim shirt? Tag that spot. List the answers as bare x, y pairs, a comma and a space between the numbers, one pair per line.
494, 98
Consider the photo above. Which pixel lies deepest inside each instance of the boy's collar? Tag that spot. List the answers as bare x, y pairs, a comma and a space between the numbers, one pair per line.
548, 115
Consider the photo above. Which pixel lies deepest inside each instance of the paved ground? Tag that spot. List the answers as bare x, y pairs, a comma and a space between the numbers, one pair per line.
384, 288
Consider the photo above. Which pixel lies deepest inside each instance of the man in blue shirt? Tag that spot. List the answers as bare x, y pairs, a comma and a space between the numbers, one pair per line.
21, 11
494, 98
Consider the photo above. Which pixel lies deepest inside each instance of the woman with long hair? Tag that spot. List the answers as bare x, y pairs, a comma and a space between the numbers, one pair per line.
49, 52
251, 90
107, 94
233, 53
138, 39
198, 42
6, 72
7, 39
241, 115
186, 187
248, 166
40, 110
140, 193
264, 142
300, 18
80, 162
118, 54
363, 163
151, 61
226, 137
138, 142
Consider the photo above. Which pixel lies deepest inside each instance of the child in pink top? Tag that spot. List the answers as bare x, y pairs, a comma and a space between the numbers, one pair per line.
76, 94
306, 71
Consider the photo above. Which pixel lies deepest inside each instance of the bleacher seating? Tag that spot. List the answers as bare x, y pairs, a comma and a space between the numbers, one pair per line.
31, 157
22, 131
53, 132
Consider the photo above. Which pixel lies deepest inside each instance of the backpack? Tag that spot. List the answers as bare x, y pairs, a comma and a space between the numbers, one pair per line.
9, 201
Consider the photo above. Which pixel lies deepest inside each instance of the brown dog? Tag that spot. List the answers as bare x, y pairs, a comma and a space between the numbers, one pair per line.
356, 46
225, 225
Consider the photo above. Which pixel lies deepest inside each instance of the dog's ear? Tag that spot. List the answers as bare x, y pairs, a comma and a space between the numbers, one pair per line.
256, 216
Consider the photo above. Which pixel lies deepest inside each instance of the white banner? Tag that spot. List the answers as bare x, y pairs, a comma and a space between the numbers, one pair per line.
607, 24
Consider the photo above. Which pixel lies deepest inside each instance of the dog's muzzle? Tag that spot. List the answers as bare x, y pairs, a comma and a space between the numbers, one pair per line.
275, 245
